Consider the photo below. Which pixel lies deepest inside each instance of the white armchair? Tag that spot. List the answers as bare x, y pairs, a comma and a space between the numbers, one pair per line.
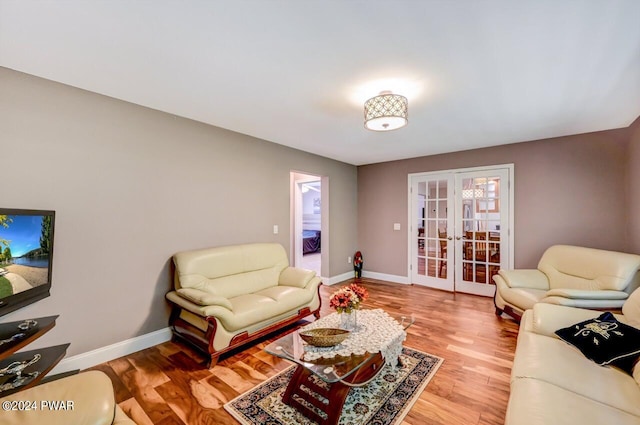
572, 276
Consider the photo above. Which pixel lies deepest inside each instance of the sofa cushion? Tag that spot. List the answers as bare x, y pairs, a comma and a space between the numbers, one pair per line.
229, 271
575, 267
249, 309
553, 361
588, 303
605, 341
242, 283
581, 294
228, 260
536, 402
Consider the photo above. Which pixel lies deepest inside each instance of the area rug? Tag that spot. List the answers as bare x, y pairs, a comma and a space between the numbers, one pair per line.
385, 401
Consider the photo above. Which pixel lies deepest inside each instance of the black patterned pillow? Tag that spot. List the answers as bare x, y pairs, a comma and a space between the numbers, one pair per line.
605, 341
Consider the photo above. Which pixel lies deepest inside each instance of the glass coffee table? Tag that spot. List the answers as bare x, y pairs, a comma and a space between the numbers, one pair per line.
324, 375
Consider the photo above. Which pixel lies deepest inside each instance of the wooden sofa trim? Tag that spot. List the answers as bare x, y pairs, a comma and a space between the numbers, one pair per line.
203, 340
507, 309
510, 311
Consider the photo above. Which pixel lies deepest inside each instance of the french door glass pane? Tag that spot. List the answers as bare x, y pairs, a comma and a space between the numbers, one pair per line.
481, 229
432, 228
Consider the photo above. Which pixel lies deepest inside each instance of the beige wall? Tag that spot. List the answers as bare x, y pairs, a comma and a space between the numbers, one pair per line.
567, 190
131, 186
634, 187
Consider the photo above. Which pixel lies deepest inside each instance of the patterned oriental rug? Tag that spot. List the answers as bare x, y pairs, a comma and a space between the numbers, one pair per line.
385, 401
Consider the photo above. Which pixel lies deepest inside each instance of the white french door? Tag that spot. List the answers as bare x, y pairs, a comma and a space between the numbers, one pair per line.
432, 217
460, 228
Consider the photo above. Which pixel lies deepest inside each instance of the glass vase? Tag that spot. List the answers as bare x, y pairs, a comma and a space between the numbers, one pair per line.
349, 321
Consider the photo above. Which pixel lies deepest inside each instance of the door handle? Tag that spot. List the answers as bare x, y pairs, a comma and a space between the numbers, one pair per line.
458, 238
450, 238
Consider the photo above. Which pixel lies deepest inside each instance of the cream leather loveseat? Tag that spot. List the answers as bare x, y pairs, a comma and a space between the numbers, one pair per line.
572, 276
230, 295
553, 383
82, 399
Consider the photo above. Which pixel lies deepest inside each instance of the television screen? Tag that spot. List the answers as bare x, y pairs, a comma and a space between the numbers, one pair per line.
26, 254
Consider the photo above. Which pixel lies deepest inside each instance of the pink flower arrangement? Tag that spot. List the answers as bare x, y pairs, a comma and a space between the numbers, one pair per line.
348, 298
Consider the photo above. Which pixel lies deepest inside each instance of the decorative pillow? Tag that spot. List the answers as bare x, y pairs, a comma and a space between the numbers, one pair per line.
605, 341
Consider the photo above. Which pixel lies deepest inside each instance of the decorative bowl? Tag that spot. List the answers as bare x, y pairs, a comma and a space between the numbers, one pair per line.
324, 337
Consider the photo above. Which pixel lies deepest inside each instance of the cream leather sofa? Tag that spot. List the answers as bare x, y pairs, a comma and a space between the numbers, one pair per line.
87, 397
553, 383
572, 276
230, 295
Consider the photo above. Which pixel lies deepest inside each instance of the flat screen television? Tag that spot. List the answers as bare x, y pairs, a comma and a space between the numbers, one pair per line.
26, 257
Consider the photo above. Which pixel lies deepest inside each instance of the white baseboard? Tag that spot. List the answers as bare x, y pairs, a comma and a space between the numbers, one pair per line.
337, 279
373, 275
111, 352
123, 348
387, 277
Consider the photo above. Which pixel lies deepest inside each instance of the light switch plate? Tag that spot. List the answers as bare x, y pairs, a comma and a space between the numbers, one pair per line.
396, 226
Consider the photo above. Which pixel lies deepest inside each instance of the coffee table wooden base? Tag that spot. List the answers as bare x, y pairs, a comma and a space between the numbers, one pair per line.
335, 393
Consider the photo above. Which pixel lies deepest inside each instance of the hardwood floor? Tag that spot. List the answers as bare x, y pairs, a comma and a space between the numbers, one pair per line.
167, 384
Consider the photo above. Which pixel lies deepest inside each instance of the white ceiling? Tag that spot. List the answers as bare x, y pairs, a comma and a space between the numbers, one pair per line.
296, 72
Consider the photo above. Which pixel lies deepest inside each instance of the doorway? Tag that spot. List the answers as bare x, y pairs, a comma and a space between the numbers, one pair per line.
308, 238
460, 228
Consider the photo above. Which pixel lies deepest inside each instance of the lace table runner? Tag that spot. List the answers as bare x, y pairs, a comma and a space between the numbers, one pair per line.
376, 332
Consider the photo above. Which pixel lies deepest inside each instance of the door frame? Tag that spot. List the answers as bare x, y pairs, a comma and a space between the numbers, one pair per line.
297, 178
510, 231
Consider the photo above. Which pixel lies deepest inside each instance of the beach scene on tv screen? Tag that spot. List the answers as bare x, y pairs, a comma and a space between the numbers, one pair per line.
25, 252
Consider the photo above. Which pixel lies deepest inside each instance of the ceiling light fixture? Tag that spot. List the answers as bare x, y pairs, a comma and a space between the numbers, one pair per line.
472, 193
386, 112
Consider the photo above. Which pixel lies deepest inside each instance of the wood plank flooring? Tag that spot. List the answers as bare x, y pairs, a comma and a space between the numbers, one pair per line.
167, 384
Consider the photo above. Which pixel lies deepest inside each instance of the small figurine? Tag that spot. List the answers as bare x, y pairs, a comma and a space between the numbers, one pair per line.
16, 368
13, 338
357, 264
27, 324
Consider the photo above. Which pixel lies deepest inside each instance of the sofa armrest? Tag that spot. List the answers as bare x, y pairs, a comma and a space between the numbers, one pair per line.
294, 276
582, 294
525, 278
91, 394
548, 318
204, 298
121, 418
200, 310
